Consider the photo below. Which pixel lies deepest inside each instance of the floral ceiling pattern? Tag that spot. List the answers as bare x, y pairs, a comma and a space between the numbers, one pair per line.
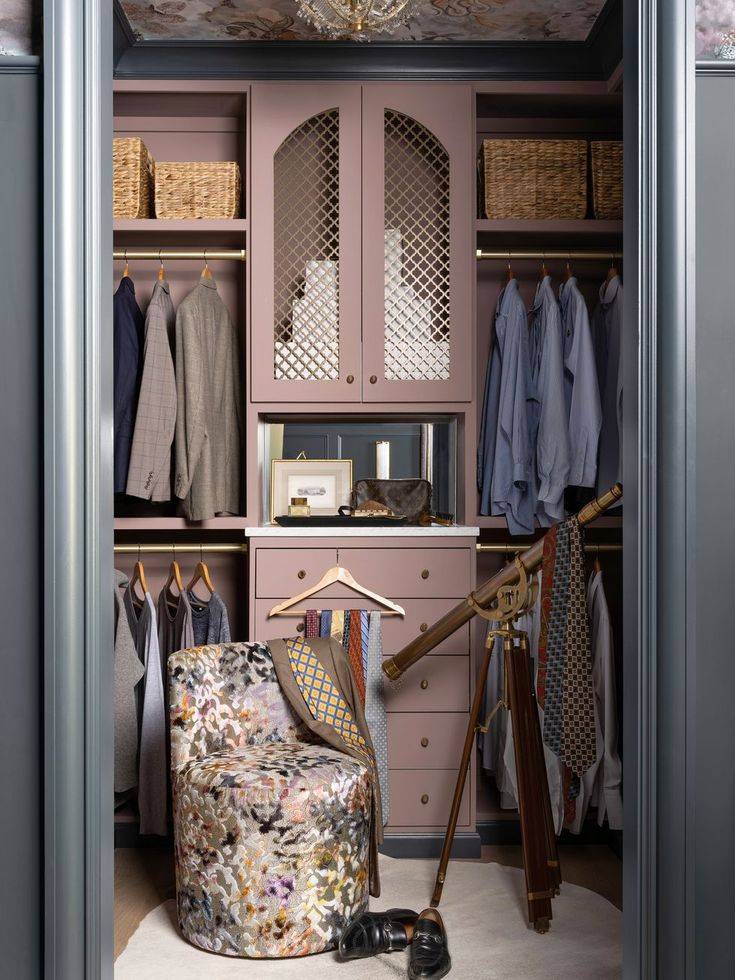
18, 22
436, 20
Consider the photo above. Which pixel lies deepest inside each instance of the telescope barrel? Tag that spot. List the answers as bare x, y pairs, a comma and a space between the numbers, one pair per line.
487, 592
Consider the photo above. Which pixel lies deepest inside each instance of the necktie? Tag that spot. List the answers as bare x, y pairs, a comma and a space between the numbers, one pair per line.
354, 651
375, 716
312, 623
321, 695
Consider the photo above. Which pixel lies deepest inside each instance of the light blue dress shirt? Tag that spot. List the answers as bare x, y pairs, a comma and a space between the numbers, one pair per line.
581, 389
606, 333
549, 414
505, 450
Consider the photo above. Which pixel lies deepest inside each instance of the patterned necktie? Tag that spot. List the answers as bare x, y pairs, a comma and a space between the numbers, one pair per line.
321, 695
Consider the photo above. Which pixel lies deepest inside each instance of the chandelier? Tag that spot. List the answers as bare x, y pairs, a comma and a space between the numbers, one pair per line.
356, 19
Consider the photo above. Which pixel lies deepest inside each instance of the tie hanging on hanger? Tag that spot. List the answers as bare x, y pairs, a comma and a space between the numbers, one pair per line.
337, 573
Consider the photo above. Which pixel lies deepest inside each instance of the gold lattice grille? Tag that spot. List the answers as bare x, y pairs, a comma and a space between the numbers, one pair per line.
306, 259
417, 344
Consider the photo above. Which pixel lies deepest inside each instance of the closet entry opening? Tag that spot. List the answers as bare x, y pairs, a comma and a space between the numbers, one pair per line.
319, 271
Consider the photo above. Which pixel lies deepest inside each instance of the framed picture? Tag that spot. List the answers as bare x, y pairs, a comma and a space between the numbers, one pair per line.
326, 484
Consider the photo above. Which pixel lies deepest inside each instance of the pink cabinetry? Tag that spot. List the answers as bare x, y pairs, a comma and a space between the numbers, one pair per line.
427, 709
361, 243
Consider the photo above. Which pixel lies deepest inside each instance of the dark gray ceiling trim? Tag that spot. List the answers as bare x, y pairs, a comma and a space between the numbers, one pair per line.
19, 64
715, 67
122, 33
593, 59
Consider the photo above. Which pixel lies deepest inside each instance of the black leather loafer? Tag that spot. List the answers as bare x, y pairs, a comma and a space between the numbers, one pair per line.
429, 957
377, 932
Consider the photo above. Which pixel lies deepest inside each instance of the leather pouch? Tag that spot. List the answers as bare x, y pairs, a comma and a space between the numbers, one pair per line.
408, 498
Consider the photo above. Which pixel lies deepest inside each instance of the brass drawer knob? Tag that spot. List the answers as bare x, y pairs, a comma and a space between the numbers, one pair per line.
302, 573
425, 573
425, 798
373, 379
350, 378
423, 627
424, 742
300, 627
424, 684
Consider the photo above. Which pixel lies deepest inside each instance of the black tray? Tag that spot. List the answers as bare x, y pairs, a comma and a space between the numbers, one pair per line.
339, 521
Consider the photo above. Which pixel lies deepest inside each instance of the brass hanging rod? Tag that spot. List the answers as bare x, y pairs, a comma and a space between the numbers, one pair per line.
180, 549
202, 254
507, 256
509, 549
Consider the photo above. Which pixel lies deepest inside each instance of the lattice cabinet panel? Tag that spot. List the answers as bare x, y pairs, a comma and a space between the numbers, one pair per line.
305, 269
418, 234
306, 251
417, 289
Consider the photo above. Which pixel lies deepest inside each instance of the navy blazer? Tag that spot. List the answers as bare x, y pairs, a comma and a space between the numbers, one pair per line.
127, 333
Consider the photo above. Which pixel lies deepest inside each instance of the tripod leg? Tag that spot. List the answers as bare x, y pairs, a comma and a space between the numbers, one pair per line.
552, 850
533, 823
469, 743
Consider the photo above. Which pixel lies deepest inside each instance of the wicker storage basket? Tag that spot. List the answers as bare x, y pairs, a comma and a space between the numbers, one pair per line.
535, 178
197, 190
132, 175
607, 179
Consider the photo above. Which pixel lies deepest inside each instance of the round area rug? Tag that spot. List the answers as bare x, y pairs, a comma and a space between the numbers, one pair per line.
484, 912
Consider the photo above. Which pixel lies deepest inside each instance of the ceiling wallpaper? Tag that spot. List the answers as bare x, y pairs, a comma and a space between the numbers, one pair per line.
17, 33
715, 18
436, 20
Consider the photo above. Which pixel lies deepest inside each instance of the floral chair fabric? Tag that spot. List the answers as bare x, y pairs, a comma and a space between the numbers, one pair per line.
271, 830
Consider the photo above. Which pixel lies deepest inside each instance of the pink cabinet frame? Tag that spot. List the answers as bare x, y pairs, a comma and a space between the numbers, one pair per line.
446, 111
278, 108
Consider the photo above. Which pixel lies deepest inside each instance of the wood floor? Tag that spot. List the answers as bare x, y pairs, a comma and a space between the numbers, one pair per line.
144, 878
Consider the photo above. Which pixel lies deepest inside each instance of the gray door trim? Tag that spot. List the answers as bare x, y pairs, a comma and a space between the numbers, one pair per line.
78, 536
659, 459
658, 465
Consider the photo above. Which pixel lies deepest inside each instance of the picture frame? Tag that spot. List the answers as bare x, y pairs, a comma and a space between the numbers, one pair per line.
326, 484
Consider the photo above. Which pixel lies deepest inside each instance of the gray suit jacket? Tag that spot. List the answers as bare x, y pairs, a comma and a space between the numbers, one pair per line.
149, 475
208, 414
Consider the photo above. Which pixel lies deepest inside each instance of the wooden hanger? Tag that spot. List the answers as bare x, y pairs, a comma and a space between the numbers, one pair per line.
174, 575
161, 270
612, 271
206, 271
597, 566
568, 269
336, 574
510, 274
201, 574
126, 269
544, 270
139, 576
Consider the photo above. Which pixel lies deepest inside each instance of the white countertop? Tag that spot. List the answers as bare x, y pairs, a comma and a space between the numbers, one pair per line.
436, 531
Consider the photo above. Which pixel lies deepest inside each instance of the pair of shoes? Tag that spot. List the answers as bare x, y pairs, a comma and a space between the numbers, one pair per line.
385, 932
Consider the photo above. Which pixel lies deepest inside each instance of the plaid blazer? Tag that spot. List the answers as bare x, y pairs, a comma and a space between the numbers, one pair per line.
149, 473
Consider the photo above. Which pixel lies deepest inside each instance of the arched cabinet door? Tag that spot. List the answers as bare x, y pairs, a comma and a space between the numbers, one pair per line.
304, 235
418, 242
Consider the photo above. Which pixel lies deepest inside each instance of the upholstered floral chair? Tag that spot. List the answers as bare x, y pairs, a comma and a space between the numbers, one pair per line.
271, 829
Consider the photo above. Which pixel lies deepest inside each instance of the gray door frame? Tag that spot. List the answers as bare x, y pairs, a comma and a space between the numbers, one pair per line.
658, 477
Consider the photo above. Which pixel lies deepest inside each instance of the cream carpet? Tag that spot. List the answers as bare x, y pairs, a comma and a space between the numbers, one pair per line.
484, 912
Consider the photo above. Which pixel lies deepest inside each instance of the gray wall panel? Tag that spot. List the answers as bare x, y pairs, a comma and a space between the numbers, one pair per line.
715, 412
21, 280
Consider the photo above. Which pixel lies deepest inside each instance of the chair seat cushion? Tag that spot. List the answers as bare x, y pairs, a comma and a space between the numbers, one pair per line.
271, 848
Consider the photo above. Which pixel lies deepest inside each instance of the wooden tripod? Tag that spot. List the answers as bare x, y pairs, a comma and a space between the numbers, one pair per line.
540, 854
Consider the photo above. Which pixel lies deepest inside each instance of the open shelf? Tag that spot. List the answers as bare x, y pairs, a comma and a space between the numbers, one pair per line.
179, 524
194, 226
588, 228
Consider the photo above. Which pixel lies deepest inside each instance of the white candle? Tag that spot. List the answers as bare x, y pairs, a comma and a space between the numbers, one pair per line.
382, 460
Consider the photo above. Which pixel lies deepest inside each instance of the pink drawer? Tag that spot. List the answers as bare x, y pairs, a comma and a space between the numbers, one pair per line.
278, 571
396, 630
425, 741
411, 572
422, 798
433, 684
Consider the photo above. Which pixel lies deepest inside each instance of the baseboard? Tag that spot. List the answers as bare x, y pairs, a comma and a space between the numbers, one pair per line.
509, 832
467, 845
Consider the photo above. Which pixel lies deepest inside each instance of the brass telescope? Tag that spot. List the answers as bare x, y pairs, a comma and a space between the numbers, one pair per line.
486, 594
